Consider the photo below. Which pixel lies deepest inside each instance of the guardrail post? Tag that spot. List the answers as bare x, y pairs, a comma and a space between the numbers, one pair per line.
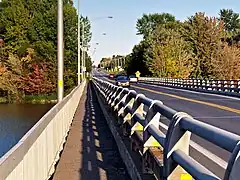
238, 86
137, 108
127, 117
116, 100
152, 118
176, 139
136, 126
232, 86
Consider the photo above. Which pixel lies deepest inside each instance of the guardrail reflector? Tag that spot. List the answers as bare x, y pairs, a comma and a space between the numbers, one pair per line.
137, 127
186, 177
155, 144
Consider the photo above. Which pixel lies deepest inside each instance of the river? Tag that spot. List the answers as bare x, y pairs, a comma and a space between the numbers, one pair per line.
16, 120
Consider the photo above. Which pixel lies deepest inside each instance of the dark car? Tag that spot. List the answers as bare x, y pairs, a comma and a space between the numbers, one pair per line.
122, 81
111, 76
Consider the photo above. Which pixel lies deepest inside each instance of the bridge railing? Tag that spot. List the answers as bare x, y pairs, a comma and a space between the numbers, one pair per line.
167, 155
228, 87
35, 155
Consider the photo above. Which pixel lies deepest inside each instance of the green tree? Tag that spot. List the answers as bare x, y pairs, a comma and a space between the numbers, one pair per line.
88, 63
168, 54
205, 35
136, 60
15, 20
148, 22
30, 24
231, 20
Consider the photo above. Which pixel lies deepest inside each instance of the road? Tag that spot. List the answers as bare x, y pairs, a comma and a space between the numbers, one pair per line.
217, 110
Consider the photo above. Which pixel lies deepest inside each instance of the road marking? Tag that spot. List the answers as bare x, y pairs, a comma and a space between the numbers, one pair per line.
223, 164
193, 92
191, 100
187, 99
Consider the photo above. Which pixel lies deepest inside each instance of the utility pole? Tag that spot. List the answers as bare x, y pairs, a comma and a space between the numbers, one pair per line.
60, 49
82, 50
84, 58
79, 46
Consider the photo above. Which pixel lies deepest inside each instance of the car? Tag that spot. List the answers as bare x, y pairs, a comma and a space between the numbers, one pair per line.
133, 78
122, 81
117, 75
111, 76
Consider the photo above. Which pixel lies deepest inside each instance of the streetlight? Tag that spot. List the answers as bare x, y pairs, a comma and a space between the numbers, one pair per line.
79, 51
60, 49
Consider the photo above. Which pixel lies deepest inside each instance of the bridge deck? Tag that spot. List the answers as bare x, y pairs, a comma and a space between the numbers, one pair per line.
90, 151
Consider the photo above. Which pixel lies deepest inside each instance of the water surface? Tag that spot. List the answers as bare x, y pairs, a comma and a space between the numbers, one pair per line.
16, 120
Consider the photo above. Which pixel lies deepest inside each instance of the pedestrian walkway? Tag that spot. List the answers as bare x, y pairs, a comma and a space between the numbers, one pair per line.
90, 152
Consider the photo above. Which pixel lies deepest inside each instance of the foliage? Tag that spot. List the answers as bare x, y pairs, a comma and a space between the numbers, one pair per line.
227, 64
135, 61
29, 52
200, 47
204, 35
37, 81
148, 22
231, 20
168, 54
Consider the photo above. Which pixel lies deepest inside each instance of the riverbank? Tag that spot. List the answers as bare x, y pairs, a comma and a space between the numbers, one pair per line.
33, 99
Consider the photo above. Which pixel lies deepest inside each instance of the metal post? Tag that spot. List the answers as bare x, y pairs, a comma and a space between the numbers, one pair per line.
79, 51
82, 48
84, 59
60, 50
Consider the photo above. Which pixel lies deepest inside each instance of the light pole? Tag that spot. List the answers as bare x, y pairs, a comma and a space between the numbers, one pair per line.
79, 41
60, 50
82, 47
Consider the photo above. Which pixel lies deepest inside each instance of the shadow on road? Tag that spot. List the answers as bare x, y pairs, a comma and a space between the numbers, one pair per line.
101, 159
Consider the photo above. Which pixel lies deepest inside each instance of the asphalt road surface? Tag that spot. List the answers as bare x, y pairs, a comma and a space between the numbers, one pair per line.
218, 110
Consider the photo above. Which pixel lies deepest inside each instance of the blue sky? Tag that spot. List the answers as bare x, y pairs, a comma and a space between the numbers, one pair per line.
121, 30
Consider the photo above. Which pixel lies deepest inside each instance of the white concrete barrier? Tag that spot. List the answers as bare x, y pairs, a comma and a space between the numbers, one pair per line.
35, 155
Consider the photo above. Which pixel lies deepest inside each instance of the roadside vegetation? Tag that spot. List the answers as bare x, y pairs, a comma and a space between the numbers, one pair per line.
199, 47
28, 49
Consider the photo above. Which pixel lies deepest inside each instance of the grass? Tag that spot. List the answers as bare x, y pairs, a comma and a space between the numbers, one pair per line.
3, 100
40, 99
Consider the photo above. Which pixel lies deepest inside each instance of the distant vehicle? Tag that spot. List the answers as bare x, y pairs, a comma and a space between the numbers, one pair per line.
121, 74
111, 76
133, 78
122, 81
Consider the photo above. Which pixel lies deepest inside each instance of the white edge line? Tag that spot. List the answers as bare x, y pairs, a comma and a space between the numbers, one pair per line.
203, 151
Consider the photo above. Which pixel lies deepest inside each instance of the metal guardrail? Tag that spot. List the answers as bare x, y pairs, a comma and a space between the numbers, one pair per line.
166, 155
35, 155
227, 87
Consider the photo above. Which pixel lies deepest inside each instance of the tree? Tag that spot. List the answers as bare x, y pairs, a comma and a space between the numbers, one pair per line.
231, 20
30, 24
15, 20
88, 63
37, 81
227, 63
168, 54
205, 35
148, 22
136, 60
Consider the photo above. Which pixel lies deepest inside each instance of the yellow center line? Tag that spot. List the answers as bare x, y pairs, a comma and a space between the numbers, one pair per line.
191, 100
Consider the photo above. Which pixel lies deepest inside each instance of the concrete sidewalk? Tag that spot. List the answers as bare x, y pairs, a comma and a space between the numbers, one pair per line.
90, 151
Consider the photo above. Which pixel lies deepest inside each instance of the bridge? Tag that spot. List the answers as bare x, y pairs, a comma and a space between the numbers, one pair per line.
150, 131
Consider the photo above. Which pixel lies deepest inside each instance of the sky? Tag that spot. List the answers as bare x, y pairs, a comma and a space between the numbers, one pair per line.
121, 30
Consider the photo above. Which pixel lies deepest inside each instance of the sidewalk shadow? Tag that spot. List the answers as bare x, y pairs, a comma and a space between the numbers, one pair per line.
101, 159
